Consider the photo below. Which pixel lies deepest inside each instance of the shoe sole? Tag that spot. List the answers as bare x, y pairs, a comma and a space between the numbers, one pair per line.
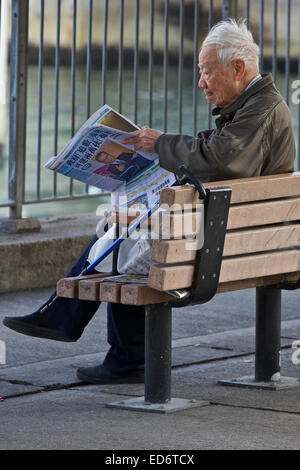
36, 331
110, 380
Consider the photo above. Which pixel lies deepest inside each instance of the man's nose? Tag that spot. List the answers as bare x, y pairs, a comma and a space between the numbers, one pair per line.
202, 83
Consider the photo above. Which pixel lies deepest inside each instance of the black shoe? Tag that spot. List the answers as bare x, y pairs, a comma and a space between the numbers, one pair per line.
37, 325
100, 375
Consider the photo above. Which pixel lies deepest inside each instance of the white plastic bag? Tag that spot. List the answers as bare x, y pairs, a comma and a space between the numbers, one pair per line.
134, 253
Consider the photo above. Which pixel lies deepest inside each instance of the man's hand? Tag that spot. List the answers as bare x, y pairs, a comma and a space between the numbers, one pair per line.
144, 139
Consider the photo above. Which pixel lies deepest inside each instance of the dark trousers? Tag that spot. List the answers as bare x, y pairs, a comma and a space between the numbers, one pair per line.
125, 323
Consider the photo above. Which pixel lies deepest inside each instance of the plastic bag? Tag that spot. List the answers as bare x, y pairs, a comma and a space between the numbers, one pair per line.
134, 253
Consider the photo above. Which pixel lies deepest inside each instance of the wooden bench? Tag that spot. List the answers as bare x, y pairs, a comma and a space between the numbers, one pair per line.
251, 239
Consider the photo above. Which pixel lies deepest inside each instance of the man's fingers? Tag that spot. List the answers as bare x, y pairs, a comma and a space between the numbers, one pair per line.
144, 139
142, 147
131, 140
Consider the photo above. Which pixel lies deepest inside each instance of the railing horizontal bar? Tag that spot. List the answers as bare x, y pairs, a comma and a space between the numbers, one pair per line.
7, 204
63, 198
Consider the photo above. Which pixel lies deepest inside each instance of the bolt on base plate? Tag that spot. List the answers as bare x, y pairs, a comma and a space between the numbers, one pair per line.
175, 404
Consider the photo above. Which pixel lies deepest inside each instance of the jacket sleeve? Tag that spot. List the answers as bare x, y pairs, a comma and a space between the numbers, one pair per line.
234, 151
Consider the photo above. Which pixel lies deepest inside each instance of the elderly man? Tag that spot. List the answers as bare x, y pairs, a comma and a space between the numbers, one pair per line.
253, 136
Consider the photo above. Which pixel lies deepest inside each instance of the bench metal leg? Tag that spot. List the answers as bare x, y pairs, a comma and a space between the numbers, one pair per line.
267, 335
267, 344
158, 354
158, 340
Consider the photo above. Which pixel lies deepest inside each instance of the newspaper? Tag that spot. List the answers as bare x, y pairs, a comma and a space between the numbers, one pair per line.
97, 156
130, 278
143, 279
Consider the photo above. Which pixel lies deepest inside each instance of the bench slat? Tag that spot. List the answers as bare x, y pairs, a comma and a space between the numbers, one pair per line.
139, 294
243, 190
264, 213
240, 216
110, 292
244, 267
88, 289
258, 282
68, 286
236, 243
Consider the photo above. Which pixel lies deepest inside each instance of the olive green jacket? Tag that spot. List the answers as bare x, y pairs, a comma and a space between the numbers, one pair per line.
253, 137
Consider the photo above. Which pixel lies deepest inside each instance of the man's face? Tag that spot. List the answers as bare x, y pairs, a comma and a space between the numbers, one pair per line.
218, 83
104, 157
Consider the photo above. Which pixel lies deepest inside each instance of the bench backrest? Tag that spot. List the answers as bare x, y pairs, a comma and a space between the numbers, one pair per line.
262, 244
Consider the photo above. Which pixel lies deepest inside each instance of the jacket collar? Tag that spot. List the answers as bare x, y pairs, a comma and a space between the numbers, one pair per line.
265, 81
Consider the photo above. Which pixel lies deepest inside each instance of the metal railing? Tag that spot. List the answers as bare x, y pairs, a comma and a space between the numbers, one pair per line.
169, 47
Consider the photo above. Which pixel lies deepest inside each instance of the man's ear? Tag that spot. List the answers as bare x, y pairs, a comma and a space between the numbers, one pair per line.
239, 69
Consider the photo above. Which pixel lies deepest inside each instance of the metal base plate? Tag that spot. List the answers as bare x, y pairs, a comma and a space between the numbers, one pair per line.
248, 381
175, 404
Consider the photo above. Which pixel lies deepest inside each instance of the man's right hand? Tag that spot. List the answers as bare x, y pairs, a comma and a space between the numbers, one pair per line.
144, 139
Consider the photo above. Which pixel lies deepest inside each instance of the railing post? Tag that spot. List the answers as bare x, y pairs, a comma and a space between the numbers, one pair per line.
18, 89
229, 9
17, 119
3, 73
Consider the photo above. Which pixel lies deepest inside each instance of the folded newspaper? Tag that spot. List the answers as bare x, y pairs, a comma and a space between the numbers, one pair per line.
96, 155
143, 279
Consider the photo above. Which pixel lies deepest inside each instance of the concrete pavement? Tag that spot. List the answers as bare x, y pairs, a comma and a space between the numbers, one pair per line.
46, 407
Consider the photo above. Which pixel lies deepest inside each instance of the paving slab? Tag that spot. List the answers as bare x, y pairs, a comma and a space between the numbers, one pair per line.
15, 388
238, 339
62, 371
22, 349
201, 383
50, 373
79, 419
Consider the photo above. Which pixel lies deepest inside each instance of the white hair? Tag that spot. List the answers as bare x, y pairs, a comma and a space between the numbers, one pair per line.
233, 41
